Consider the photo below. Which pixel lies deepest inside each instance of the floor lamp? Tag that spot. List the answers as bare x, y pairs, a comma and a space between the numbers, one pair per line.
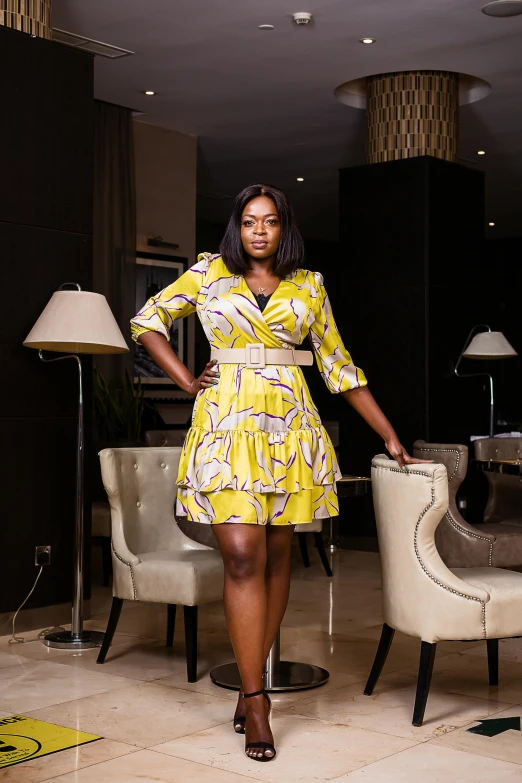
76, 322
485, 345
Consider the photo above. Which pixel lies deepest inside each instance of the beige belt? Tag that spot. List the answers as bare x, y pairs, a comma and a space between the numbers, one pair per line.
257, 355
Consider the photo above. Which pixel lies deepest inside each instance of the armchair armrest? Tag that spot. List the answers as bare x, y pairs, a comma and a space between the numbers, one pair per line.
505, 497
462, 545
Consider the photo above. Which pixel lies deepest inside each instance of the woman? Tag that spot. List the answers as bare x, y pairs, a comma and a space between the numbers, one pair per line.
257, 460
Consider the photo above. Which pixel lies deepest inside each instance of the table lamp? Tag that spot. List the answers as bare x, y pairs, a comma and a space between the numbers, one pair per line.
485, 345
78, 322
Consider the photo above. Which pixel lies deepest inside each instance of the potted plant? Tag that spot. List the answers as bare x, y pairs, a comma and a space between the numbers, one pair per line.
118, 411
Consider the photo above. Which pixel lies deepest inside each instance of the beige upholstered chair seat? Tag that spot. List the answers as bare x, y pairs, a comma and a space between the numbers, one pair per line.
186, 577
503, 599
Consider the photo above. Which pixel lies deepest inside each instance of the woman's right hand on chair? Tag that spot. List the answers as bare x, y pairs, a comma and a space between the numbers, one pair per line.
208, 378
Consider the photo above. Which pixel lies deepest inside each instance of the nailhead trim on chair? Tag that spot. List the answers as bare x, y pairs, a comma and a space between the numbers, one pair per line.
130, 569
455, 524
428, 574
446, 451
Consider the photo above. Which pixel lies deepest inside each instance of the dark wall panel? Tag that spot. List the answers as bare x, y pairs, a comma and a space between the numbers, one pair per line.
411, 277
45, 240
46, 133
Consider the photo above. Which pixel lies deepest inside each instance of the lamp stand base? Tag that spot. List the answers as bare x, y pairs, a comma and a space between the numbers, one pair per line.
290, 676
65, 640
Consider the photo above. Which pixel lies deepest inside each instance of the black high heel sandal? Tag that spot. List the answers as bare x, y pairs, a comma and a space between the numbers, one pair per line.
264, 746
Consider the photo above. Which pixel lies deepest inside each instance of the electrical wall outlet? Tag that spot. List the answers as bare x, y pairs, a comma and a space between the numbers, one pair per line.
42, 555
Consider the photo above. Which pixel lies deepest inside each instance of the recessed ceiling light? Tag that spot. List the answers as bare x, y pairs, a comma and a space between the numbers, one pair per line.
481, 152
300, 179
503, 8
150, 92
491, 224
266, 26
367, 40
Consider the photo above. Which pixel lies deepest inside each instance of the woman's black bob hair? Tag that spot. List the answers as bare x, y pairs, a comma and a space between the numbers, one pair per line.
290, 255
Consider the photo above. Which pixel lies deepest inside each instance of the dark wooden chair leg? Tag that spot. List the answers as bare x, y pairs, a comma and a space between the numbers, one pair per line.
427, 659
171, 623
190, 615
383, 649
301, 537
492, 645
117, 605
319, 542
106, 560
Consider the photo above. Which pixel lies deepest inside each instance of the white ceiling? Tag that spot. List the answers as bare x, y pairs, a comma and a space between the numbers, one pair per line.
262, 103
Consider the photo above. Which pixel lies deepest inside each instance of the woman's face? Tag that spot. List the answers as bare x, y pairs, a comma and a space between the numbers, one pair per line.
260, 228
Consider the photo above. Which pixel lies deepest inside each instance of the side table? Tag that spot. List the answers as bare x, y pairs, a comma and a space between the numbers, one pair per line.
347, 487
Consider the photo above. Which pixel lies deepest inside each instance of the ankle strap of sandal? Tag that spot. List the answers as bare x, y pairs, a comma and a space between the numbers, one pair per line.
256, 693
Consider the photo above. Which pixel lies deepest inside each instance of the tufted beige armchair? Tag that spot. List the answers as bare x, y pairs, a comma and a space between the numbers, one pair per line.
459, 543
422, 597
153, 561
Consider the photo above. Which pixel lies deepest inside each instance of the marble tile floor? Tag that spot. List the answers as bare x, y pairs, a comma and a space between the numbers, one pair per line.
158, 727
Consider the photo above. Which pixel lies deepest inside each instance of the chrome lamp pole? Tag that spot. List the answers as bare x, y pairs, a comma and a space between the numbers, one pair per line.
78, 321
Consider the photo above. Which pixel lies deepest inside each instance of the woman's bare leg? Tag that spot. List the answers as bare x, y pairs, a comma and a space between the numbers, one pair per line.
277, 580
244, 552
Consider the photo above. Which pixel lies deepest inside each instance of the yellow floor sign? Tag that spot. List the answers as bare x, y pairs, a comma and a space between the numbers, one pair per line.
24, 738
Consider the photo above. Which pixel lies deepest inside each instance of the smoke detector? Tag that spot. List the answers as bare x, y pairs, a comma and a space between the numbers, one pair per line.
302, 17
503, 8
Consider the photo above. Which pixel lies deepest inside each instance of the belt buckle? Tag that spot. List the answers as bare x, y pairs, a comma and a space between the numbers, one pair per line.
255, 355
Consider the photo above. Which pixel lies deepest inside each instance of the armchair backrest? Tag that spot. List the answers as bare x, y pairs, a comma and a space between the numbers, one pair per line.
498, 448
418, 589
455, 458
141, 488
165, 437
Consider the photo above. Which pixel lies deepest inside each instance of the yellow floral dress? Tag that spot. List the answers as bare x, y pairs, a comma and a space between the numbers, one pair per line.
256, 452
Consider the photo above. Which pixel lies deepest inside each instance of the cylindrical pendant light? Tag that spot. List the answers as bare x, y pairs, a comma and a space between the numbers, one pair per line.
412, 113
27, 16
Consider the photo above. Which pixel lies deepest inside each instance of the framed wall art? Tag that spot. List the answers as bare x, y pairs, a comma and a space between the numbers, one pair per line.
154, 272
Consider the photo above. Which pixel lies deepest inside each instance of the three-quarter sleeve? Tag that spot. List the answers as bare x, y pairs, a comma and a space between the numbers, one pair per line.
176, 301
334, 362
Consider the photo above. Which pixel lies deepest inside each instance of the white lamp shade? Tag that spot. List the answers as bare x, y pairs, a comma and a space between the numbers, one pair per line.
77, 322
489, 345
